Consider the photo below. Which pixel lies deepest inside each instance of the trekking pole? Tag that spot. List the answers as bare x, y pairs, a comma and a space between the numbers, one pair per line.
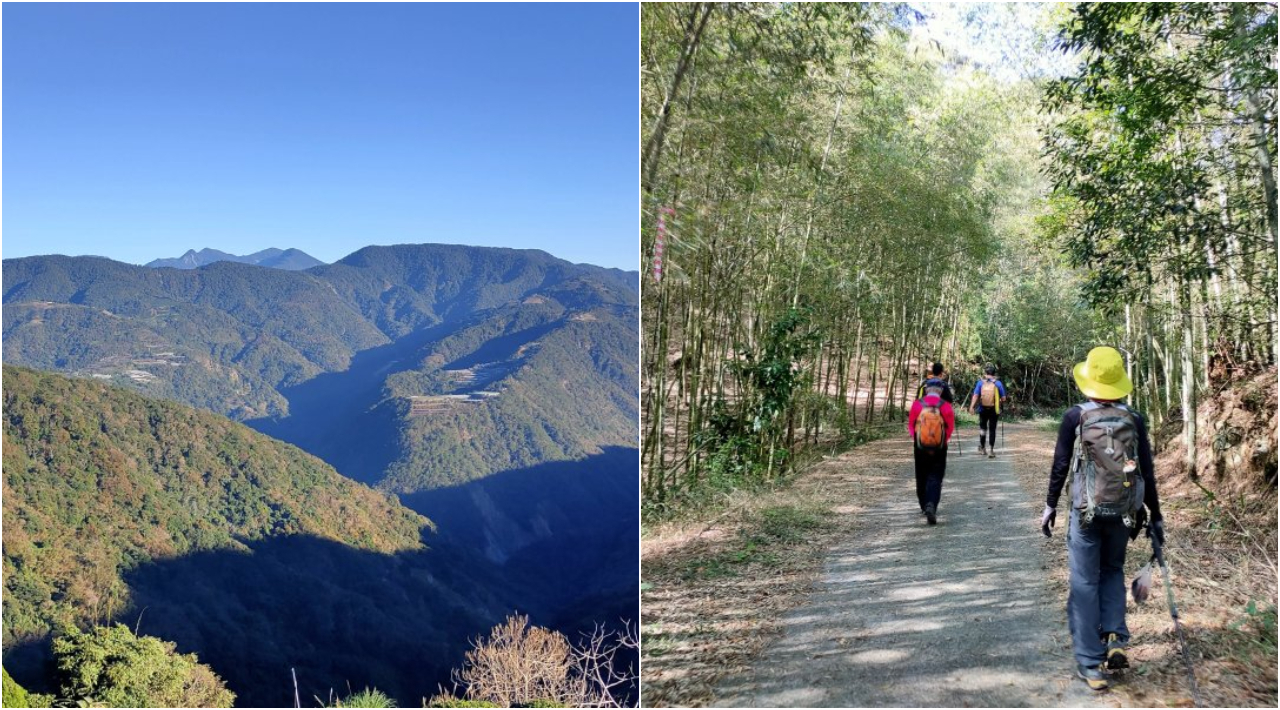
1158, 549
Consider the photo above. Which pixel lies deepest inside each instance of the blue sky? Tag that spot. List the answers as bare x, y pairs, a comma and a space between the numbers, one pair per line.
1011, 40
138, 131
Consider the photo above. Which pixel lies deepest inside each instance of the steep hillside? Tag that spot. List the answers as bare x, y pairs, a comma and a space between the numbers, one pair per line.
555, 384
561, 531
1236, 458
98, 480
245, 550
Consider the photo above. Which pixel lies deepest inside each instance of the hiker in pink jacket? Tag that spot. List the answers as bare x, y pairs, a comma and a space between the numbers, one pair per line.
931, 424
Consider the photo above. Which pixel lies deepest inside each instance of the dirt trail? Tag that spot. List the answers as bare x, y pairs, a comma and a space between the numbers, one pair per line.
904, 614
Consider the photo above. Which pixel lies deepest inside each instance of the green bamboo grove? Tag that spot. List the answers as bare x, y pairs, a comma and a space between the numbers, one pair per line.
834, 202
1162, 159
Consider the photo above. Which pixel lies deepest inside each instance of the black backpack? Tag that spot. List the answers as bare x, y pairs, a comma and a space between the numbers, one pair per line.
935, 385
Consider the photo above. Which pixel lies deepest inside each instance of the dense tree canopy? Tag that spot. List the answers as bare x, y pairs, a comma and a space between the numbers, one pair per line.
1162, 154
99, 480
109, 666
832, 202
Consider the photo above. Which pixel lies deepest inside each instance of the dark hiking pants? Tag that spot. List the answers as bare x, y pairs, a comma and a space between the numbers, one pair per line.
987, 417
1095, 604
930, 469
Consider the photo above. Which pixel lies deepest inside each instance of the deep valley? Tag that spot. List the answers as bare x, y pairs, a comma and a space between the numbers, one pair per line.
493, 391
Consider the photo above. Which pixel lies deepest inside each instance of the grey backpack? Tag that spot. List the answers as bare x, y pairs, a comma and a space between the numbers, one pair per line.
1106, 479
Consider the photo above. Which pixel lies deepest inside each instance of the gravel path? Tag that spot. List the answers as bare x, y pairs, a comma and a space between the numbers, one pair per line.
905, 614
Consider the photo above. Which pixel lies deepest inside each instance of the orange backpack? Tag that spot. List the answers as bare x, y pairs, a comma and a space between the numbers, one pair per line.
931, 429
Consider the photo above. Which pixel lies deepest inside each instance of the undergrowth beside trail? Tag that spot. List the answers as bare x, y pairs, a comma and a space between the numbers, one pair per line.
1227, 507
723, 481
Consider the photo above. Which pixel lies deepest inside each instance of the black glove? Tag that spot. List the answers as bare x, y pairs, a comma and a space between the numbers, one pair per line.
1142, 524
1155, 531
1047, 519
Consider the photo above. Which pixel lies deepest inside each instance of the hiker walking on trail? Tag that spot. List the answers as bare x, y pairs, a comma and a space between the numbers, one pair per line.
1103, 445
937, 383
931, 424
989, 395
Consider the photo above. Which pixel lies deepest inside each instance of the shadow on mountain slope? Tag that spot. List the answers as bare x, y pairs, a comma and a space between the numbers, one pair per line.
342, 617
563, 532
557, 541
566, 534
352, 400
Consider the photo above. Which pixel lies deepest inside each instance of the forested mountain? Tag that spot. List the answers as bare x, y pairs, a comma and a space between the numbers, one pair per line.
471, 360
212, 535
494, 385
222, 337
288, 259
500, 360
402, 287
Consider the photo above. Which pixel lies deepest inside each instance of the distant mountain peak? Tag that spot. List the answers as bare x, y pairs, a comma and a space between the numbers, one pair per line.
287, 259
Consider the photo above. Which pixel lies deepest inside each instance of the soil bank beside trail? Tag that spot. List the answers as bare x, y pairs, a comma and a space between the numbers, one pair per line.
905, 614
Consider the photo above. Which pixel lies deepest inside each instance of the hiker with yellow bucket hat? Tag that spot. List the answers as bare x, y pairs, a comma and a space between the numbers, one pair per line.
1104, 446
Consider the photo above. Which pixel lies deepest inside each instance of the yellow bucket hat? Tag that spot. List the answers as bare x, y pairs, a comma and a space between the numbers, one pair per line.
1102, 375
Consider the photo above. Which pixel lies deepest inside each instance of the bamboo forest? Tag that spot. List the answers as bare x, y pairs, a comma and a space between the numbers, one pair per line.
836, 196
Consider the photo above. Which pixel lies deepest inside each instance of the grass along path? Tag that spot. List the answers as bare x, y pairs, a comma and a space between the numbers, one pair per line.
715, 590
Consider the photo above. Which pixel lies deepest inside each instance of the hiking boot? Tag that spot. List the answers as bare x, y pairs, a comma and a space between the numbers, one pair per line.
1094, 676
1116, 657
931, 514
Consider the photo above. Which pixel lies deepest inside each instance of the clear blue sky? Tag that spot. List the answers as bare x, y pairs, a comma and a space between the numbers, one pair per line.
138, 131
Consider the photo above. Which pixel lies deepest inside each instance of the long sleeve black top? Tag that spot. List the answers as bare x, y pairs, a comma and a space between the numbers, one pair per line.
1066, 447
947, 395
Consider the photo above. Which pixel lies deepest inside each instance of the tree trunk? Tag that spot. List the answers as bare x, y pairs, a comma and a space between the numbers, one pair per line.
698, 17
1261, 131
1188, 378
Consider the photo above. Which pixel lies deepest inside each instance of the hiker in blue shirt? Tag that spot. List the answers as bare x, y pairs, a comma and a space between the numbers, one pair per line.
988, 395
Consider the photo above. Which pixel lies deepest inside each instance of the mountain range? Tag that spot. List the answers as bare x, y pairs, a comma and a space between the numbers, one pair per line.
492, 390
443, 363
288, 259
